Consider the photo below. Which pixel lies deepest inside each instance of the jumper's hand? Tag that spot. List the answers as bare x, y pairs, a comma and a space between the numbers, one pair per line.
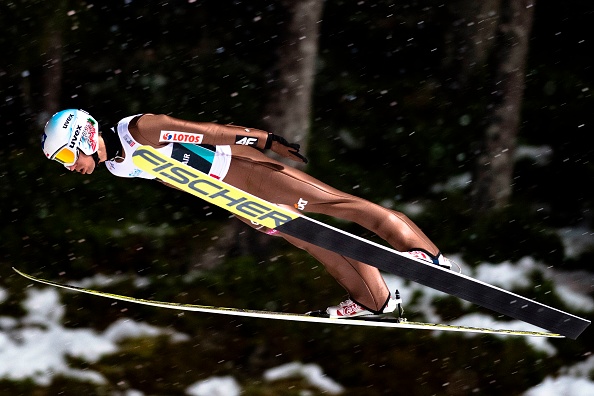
279, 145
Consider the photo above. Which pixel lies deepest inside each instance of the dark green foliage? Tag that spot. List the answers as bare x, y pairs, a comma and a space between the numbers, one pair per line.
12, 387
512, 234
389, 124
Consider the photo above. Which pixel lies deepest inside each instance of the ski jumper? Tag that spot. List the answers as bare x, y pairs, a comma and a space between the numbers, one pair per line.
231, 153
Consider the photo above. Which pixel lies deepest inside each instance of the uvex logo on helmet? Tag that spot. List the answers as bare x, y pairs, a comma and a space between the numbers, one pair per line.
70, 116
74, 138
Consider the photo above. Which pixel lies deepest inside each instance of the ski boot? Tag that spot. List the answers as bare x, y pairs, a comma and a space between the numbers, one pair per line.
440, 260
351, 309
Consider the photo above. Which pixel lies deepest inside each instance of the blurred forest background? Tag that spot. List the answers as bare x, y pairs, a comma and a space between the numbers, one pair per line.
476, 113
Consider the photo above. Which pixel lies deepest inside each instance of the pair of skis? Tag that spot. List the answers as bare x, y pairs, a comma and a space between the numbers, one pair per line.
358, 321
241, 203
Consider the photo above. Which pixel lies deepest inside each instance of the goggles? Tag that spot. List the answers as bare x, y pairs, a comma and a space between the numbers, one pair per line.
66, 156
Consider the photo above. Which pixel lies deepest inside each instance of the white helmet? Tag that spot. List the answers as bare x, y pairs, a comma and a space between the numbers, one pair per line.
67, 132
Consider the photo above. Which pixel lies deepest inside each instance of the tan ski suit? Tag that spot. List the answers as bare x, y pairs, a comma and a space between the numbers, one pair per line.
254, 172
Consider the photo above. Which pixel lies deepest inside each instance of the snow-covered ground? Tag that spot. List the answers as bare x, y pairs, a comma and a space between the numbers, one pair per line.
37, 345
571, 381
228, 386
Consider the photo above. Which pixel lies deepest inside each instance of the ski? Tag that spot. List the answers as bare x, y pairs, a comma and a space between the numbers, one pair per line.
241, 203
386, 322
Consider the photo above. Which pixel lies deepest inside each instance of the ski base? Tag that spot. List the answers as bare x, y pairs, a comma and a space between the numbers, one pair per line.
369, 321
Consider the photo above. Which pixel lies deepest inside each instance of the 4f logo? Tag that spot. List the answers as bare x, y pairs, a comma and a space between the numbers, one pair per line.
246, 141
301, 204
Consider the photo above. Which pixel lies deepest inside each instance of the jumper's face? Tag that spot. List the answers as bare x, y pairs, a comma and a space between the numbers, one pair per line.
84, 164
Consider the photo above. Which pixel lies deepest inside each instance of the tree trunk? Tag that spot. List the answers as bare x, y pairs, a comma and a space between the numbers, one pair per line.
494, 169
470, 37
288, 112
51, 52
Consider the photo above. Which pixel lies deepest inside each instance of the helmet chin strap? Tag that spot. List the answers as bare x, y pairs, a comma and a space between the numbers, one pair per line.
95, 156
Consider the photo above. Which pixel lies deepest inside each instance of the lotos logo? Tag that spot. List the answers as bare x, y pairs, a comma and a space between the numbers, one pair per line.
74, 138
180, 137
